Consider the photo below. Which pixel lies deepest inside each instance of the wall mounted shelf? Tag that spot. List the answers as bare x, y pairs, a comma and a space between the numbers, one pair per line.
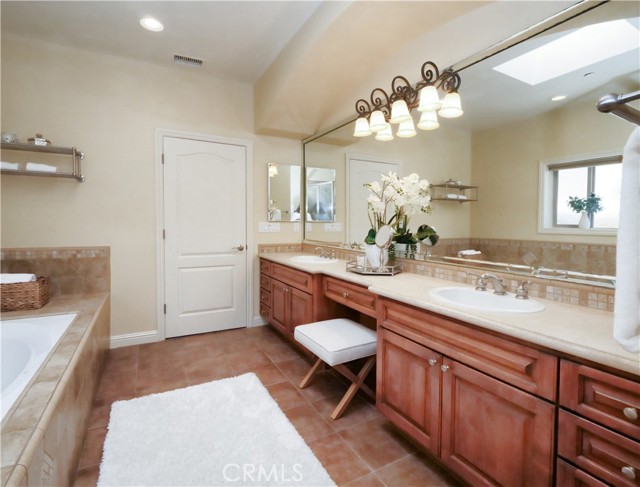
454, 191
76, 157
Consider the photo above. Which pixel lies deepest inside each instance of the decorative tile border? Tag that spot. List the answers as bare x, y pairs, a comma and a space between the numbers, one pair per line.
271, 248
71, 270
563, 292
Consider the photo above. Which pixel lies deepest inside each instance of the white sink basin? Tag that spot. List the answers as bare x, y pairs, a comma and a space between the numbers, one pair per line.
486, 301
312, 259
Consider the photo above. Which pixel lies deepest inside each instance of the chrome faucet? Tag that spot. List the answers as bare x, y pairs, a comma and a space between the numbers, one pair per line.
320, 252
498, 284
522, 291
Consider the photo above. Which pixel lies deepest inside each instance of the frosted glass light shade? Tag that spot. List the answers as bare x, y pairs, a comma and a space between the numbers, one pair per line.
429, 99
385, 134
377, 121
362, 128
399, 112
428, 120
451, 107
406, 129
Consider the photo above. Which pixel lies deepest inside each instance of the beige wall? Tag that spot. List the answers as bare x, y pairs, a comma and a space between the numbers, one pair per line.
110, 107
434, 155
506, 164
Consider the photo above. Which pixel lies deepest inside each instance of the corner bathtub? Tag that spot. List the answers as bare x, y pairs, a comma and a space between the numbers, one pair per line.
26, 343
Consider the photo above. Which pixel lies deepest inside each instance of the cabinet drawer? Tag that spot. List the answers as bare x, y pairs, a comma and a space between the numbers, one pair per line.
293, 277
519, 365
603, 397
570, 476
265, 266
265, 297
265, 281
599, 451
351, 295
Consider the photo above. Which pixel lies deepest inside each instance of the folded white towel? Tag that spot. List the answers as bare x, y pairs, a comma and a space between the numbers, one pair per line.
13, 166
452, 196
34, 166
16, 278
462, 197
626, 321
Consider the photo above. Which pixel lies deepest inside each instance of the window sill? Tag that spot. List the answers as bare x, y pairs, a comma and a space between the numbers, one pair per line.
603, 232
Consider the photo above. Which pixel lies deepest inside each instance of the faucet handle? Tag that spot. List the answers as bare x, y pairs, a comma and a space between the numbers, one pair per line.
481, 284
522, 291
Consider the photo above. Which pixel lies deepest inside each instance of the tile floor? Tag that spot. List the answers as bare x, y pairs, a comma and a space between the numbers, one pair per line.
359, 449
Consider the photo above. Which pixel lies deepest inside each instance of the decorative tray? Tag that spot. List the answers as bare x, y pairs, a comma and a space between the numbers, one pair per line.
386, 270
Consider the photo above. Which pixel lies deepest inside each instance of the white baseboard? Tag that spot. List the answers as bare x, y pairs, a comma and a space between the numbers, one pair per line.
134, 339
258, 321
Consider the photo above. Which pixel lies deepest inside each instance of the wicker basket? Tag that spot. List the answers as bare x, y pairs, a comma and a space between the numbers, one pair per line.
25, 295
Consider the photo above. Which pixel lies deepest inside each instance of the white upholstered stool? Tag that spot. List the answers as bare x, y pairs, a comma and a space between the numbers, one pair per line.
335, 342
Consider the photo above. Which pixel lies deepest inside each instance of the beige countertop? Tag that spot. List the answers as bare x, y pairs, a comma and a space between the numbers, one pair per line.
576, 330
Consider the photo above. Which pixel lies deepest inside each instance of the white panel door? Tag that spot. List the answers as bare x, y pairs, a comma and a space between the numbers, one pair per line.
204, 214
363, 171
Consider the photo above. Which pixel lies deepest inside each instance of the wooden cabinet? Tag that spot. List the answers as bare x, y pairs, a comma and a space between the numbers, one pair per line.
294, 297
598, 428
569, 476
351, 295
465, 395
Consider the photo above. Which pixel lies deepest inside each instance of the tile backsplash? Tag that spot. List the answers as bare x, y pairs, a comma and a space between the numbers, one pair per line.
71, 270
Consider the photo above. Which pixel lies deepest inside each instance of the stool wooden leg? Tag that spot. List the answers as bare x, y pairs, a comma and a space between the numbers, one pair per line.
318, 366
351, 392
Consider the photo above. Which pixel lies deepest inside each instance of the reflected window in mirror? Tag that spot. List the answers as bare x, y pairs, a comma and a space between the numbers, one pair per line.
320, 194
581, 194
284, 192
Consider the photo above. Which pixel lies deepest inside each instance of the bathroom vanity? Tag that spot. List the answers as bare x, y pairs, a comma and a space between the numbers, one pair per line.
539, 399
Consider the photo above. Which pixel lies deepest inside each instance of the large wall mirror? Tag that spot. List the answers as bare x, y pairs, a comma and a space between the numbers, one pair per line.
284, 192
511, 132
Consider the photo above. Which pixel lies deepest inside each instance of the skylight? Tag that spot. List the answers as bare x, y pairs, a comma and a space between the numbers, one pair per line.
583, 47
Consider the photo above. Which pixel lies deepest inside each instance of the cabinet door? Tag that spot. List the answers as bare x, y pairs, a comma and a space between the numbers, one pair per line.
493, 433
570, 476
408, 387
279, 305
300, 309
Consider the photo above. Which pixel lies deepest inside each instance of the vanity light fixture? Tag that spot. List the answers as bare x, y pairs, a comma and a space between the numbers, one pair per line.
151, 24
382, 110
273, 169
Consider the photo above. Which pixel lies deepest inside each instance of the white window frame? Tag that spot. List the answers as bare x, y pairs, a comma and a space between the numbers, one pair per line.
546, 195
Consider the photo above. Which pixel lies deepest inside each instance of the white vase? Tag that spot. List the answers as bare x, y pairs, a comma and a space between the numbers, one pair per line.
584, 220
374, 253
401, 249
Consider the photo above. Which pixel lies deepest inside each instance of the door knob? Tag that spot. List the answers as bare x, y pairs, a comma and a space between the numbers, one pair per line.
345, 295
432, 362
239, 247
444, 368
629, 472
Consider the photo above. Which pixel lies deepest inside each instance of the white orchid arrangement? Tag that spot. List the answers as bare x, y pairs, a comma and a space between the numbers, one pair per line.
403, 196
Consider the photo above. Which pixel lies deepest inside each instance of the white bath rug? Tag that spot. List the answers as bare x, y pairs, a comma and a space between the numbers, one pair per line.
228, 432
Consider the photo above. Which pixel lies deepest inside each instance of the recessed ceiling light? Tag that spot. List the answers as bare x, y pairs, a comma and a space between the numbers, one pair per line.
558, 98
151, 24
580, 48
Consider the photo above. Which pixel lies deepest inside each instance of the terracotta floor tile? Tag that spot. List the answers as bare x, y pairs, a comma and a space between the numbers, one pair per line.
359, 411
377, 442
269, 374
194, 354
308, 422
92, 451
244, 361
102, 408
212, 367
295, 369
368, 481
339, 459
158, 387
415, 470
286, 395
282, 353
117, 387
87, 476
324, 385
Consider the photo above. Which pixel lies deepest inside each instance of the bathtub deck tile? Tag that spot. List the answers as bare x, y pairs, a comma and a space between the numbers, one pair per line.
13, 443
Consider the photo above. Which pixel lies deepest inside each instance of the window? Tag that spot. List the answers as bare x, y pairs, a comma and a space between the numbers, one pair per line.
561, 180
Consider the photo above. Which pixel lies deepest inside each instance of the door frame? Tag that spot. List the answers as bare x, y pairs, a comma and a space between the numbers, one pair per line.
362, 157
160, 249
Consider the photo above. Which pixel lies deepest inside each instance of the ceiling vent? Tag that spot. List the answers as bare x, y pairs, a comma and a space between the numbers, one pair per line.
191, 61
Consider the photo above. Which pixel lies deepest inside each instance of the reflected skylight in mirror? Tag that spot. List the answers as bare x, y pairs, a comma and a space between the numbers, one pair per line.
578, 49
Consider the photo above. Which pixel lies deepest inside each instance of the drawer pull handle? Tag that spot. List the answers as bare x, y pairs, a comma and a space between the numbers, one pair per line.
444, 368
630, 413
432, 362
345, 295
629, 472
